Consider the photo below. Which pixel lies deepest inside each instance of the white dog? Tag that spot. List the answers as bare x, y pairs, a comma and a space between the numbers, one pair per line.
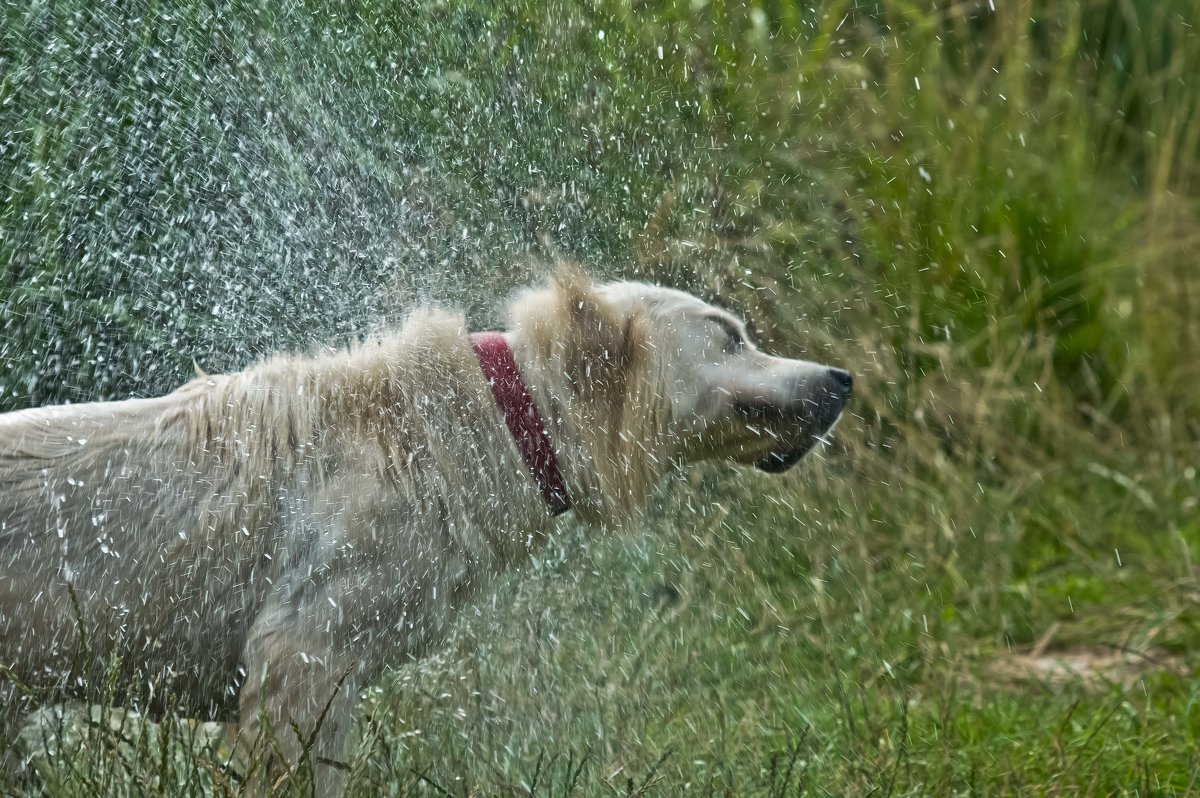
258, 545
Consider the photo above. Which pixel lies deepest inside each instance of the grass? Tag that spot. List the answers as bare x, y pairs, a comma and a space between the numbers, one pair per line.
990, 216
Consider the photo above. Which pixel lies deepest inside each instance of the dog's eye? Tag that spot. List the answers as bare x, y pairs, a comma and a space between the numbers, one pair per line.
732, 340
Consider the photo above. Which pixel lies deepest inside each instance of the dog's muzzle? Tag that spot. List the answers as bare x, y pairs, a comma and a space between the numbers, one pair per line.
815, 413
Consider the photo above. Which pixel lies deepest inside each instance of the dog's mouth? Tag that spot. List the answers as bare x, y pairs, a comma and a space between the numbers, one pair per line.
815, 419
778, 462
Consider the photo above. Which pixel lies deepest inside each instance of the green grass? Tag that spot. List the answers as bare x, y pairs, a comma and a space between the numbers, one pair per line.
990, 217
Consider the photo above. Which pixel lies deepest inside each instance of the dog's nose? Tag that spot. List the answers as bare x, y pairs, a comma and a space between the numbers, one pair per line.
842, 381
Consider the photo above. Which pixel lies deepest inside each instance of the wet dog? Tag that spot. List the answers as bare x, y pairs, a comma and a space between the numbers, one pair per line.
259, 545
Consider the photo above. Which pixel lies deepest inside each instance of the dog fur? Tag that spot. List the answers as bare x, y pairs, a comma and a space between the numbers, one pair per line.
259, 545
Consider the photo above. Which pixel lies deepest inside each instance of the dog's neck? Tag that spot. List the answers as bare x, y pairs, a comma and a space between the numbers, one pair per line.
522, 418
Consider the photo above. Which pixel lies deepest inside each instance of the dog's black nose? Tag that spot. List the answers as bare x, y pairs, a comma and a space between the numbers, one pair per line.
843, 380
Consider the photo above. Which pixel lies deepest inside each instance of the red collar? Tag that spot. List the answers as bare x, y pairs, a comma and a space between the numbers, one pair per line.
496, 360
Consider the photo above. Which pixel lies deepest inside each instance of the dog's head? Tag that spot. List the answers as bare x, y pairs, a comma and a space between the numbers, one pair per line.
662, 353
730, 399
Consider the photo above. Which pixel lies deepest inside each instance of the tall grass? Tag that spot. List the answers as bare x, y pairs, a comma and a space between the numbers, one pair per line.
989, 214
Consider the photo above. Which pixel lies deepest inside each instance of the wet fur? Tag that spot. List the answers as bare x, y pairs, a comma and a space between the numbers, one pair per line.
258, 545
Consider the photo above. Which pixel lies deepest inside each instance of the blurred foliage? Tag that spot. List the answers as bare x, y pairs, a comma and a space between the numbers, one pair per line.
965, 187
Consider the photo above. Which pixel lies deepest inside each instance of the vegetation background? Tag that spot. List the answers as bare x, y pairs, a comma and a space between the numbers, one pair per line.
989, 211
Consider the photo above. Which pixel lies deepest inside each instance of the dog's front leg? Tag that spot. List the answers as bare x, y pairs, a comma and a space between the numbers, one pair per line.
297, 701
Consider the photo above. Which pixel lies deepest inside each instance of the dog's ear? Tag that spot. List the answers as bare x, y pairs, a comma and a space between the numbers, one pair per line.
601, 344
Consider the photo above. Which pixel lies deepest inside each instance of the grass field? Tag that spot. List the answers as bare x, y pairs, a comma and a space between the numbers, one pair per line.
989, 211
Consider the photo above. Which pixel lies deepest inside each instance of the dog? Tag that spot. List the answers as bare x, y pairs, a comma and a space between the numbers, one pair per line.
258, 545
